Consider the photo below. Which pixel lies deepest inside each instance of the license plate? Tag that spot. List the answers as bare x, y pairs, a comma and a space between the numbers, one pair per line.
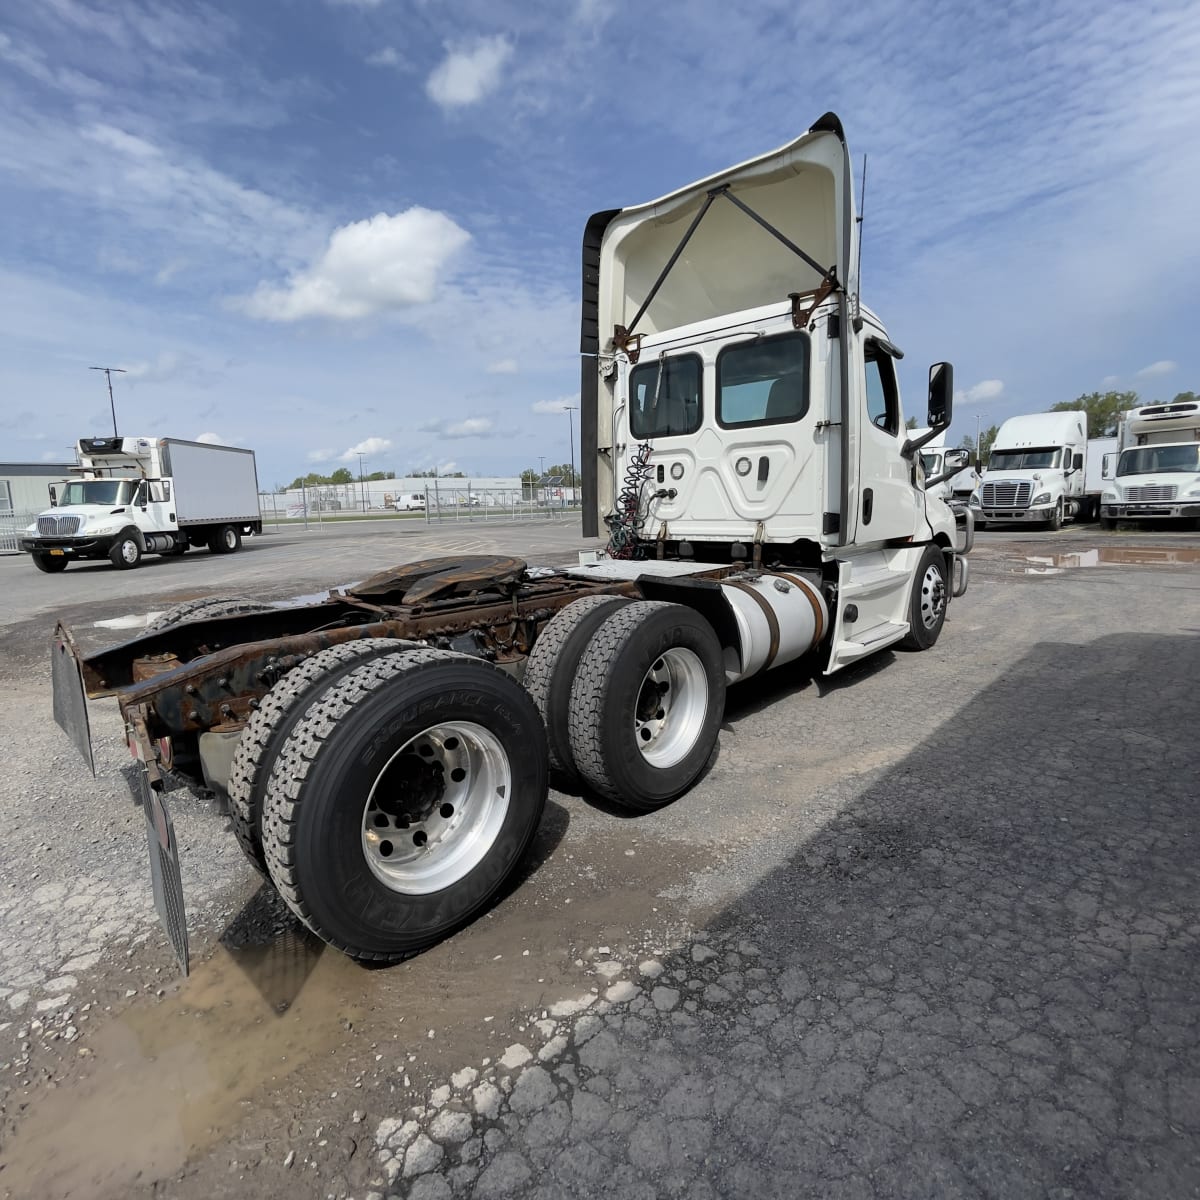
56, 552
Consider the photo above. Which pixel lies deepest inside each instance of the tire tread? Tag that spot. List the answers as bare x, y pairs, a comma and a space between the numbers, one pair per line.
252, 758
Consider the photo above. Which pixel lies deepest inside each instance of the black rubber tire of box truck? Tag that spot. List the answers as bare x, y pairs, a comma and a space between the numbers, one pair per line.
202, 609
550, 672
51, 565
928, 600
125, 553
403, 801
270, 725
1055, 523
647, 703
226, 540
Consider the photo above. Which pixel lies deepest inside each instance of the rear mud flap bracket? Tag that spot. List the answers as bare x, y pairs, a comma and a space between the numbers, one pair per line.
165, 874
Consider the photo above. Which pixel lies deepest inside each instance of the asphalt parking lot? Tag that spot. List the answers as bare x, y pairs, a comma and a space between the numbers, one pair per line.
928, 928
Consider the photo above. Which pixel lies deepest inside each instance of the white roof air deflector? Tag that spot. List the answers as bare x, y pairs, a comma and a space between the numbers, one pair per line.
776, 226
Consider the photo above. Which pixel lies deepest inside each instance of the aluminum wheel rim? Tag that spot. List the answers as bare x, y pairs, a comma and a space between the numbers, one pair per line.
933, 596
129, 550
229, 538
436, 808
671, 706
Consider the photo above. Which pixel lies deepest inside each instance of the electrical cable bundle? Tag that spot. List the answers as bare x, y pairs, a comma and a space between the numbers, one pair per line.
626, 522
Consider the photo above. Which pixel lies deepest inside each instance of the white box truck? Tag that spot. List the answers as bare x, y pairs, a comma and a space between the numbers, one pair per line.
143, 495
1154, 474
744, 443
1037, 472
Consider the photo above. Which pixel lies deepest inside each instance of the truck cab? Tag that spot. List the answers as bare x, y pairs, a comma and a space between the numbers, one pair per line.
1035, 471
1155, 473
742, 405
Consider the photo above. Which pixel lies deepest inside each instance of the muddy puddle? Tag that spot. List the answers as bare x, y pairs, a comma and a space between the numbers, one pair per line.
1115, 556
165, 1081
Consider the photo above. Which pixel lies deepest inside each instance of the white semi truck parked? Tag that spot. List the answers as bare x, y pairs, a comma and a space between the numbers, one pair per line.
142, 495
744, 443
1155, 474
1037, 472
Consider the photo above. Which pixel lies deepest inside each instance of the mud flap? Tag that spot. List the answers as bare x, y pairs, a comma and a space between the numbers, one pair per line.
70, 702
164, 849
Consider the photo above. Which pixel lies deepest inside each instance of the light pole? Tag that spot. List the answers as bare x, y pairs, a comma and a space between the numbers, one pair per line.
541, 483
362, 487
570, 410
111, 402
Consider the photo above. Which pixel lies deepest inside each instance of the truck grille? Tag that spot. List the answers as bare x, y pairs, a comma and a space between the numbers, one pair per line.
1006, 495
1151, 494
58, 526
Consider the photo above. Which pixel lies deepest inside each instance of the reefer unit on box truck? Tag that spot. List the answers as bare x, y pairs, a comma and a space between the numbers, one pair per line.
142, 495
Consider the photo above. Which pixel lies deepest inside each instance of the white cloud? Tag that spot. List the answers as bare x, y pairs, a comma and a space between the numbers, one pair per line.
377, 265
320, 456
363, 4
387, 56
465, 76
164, 367
1164, 366
211, 439
503, 366
367, 447
471, 427
554, 406
1110, 381
985, 389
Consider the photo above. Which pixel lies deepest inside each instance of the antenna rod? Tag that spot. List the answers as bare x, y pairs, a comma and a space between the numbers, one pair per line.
111, 402
862, 212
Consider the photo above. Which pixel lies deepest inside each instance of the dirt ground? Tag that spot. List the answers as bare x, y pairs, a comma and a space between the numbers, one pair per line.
272, 1068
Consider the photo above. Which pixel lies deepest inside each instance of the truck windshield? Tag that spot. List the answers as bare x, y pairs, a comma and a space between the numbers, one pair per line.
932, 463
97, 491
1024, 460
1153, 460
664, 396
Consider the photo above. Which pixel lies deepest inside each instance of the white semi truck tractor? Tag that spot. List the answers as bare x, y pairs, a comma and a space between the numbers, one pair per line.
146, 495
1154, 475
386, 752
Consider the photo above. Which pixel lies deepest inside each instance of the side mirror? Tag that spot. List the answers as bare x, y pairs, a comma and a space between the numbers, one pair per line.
53, 490
941, 395
1107, 466
957, 460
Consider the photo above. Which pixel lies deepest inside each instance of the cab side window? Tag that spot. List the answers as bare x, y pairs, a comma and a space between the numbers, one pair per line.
160, 491
883, 396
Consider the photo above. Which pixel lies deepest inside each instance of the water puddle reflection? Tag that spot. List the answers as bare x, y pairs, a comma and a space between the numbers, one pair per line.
1127, 556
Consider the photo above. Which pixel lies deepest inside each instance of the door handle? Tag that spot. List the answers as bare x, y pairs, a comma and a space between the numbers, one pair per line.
764, 468
868, 505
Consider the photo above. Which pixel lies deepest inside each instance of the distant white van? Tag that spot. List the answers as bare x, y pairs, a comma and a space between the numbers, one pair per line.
408, 503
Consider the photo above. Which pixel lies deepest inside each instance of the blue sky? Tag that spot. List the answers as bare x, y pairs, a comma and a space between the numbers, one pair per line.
316, 227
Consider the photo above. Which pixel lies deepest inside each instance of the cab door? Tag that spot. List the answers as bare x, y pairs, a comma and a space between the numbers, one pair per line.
889, 506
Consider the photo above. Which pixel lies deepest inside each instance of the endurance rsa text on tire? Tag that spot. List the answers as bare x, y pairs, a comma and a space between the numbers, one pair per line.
403, 800
647, 704
272, 722
928, 600
49, 563
226, 540
551, 667
125, 553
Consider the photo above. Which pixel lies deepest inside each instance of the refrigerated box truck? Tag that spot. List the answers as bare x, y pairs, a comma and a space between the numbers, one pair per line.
144, 495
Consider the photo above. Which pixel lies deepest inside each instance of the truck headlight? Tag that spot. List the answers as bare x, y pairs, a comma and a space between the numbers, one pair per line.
31, 528
102, 527
974, 501
1040, 498
1110, 496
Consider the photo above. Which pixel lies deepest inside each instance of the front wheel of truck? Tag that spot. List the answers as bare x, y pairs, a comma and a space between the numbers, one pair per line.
403, 800
928, 600
126, 553
51, 564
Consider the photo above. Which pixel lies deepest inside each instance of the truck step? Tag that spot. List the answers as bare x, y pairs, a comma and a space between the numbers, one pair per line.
867, 641
874, 582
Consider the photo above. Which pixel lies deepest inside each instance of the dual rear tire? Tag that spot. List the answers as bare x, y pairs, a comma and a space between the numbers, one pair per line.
632, 695
392, 797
